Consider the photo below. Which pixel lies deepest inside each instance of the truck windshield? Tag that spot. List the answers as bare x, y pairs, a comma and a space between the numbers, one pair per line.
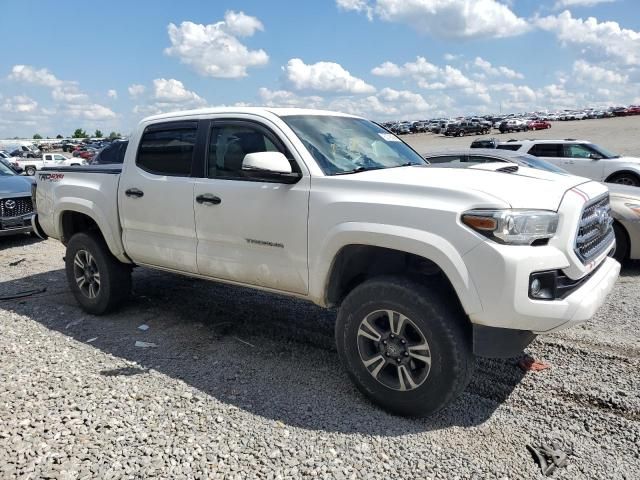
343, 145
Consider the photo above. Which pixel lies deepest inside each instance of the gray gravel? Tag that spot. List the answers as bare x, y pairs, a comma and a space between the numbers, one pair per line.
247, 385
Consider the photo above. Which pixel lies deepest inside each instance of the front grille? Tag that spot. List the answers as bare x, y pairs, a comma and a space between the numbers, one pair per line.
595, 232
15, 207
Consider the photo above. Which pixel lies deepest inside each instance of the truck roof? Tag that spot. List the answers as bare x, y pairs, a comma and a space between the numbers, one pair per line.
278, 111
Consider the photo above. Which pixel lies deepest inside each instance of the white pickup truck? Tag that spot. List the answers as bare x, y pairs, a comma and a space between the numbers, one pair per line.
31, 165
427, 266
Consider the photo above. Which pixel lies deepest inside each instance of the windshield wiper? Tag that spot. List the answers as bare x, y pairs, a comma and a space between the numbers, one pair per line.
357, 170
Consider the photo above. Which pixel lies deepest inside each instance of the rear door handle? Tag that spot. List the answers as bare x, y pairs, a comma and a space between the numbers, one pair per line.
134, 192
209, 199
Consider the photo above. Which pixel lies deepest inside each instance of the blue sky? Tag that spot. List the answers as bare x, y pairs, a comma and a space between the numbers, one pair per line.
107, 67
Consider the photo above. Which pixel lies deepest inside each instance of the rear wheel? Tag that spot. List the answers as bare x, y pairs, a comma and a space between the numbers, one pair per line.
406, 347
622, 243
625, 179
31, 171
98, 281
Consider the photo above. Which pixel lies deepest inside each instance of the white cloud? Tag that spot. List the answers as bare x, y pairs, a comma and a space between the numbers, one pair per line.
445, 18
173, 91
486, 67
19, 104
560, 4
89, 111
589, 74
430, 76
601, 39
324, 77
29, 74
214, 50
167, 95
71, 101
111, 93
387, 103
135, 90
69, 94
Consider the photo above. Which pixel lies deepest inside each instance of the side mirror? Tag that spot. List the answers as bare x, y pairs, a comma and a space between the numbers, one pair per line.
595, 156
269, 167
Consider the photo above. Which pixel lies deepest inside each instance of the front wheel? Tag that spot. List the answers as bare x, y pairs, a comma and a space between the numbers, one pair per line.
405, 346
622, 243
628, 179
98, 281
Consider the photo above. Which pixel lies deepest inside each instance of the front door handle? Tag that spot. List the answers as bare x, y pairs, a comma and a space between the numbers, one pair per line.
209, 199
134, 192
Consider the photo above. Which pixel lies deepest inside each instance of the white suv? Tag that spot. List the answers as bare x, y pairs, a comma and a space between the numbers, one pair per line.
583, 158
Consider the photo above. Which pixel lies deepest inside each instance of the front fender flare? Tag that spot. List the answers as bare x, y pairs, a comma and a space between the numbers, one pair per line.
424, 244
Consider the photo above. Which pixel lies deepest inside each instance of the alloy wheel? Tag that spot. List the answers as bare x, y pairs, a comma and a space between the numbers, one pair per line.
86, 273
394, 350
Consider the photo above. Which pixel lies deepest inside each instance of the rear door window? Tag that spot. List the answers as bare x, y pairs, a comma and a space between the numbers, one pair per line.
546, 150
167, 149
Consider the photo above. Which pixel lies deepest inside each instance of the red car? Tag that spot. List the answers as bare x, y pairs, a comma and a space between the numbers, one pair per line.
539, 124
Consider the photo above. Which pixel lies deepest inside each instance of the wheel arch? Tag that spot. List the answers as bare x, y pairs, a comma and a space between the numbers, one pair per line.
625, 171
346, 261
80, 218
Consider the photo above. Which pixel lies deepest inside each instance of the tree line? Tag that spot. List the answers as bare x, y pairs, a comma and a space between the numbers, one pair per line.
80, 133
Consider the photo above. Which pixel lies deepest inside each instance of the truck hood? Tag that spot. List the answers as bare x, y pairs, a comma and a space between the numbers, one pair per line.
525, 188
14, 184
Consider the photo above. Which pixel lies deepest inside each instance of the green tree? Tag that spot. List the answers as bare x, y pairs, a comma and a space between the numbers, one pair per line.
37, 136
59, 136
114, 135
79, 133
97, 134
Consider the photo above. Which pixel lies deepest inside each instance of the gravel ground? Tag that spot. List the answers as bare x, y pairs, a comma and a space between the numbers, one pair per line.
247, 385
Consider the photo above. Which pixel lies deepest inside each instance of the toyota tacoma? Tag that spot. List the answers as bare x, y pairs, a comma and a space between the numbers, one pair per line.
427, 267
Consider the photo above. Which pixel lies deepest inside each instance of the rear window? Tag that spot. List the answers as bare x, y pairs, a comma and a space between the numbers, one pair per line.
167, 149
509, 146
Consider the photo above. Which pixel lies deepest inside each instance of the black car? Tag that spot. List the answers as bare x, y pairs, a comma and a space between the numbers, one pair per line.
113, 153
466, 128
484, 143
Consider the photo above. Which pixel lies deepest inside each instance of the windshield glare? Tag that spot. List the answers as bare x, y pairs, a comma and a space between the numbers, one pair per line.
6, 171
535, 162
604, 152
345, 144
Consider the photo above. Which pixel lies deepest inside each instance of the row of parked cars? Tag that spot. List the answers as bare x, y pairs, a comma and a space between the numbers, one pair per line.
505, 124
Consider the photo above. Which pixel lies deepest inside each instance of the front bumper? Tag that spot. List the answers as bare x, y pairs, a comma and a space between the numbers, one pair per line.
15, 226
501, 275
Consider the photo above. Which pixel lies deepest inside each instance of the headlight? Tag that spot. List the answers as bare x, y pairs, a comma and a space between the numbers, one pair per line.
512, 227
634, 207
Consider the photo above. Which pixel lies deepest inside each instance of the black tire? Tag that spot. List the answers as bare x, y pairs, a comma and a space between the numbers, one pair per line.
31, 171
440, 321
622, 243
628, 179
114, 277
